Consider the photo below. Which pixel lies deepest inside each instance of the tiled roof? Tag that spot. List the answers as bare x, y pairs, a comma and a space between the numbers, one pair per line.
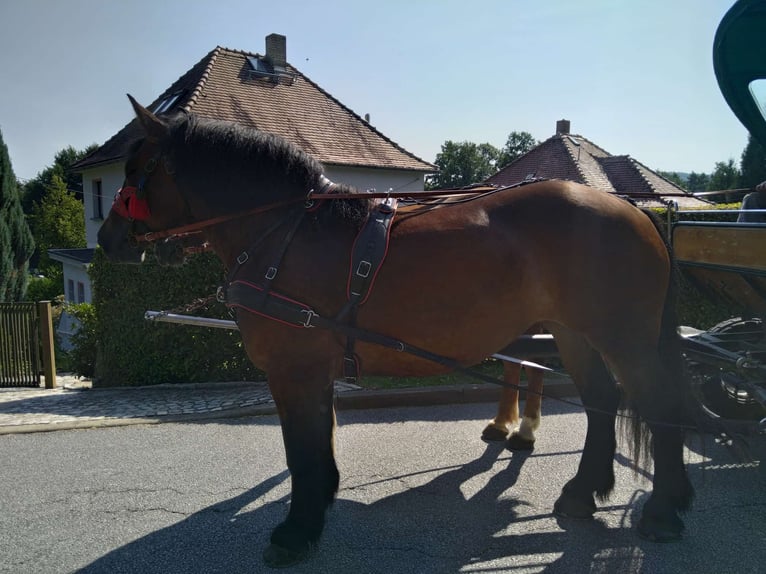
573, 157
223, 86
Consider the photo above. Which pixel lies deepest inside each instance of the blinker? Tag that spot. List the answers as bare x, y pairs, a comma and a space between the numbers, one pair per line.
129, 204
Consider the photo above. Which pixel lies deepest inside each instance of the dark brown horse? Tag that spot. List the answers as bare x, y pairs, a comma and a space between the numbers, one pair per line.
460, 281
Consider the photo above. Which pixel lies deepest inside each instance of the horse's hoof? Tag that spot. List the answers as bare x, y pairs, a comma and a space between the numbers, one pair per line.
568, 506
493, 433
518, 442
657, 529
278, 557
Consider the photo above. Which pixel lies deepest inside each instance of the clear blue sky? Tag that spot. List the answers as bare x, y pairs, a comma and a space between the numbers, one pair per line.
635, 77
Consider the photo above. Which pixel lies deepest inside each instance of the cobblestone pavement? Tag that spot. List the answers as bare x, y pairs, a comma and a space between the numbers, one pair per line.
75, 404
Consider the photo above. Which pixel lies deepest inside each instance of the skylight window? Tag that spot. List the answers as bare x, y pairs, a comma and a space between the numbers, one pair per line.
260, 66
262, 69
166, 103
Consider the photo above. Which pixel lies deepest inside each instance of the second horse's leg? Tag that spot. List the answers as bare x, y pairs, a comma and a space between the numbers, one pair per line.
508, 408
524, 437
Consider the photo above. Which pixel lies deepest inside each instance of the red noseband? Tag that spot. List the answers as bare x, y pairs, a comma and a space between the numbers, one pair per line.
129, 205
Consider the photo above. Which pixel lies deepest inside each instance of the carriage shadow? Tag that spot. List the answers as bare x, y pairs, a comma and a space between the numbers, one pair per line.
432, 527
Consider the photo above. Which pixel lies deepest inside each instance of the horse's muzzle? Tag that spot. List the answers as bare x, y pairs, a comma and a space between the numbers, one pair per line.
114, 237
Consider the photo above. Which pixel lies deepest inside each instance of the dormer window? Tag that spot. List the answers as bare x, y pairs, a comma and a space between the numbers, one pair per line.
261, 68
166, 103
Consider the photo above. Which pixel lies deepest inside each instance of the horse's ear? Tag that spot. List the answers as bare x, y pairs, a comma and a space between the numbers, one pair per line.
153, 126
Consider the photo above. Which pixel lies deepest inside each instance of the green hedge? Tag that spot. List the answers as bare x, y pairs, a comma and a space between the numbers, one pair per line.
696, 308
133, 351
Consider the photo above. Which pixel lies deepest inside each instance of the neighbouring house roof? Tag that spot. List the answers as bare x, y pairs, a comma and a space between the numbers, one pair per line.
77, 256
267, 93
574, 157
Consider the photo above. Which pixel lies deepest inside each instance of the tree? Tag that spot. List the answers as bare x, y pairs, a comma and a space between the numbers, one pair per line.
673, 177
463, 163
58, 221
697, 182
35, 189
517, 144
725, 176
752, 164
16, 242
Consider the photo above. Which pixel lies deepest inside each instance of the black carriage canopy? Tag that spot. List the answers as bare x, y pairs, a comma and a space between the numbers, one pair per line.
739, 60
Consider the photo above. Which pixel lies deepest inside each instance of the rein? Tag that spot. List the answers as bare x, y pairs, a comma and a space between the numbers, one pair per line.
325, 193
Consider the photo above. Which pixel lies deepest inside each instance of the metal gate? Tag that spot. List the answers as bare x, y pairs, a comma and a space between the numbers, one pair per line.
20, 356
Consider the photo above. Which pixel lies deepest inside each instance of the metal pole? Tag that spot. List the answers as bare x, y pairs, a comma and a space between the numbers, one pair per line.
163, 317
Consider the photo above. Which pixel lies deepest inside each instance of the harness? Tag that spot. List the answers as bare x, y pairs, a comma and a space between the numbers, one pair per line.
367, 255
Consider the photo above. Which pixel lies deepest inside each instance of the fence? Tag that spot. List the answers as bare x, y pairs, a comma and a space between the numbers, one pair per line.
26, 345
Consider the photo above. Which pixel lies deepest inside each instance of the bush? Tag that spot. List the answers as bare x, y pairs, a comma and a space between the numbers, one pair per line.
133, 351
81, 358
44, 288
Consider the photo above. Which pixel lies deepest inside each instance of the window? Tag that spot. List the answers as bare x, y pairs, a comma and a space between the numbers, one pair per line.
167, 103
70, 290
98, 204
80, 292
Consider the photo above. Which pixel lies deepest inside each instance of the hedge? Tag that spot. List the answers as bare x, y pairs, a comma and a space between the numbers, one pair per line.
695, 307
133, 351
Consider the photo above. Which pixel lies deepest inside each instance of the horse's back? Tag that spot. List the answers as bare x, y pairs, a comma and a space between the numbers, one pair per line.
467, 279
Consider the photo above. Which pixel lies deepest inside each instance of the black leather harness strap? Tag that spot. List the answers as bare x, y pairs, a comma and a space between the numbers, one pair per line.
367, 256
255, 299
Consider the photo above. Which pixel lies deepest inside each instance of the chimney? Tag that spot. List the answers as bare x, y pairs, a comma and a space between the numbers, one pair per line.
562, 127
276, 51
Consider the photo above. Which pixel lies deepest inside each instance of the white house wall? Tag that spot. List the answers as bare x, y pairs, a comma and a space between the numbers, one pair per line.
378, 179
111, 177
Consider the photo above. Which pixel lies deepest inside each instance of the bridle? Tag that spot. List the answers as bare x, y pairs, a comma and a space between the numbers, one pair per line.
130, 202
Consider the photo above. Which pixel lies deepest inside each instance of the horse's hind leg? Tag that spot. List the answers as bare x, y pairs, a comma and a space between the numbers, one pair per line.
648, 381
308, 423
600, 396
508, 406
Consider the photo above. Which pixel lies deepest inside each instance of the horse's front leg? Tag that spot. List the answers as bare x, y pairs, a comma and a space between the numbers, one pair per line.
508, 407
307, 415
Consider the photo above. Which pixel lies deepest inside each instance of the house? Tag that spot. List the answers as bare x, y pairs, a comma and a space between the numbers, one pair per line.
263, 92
573, 157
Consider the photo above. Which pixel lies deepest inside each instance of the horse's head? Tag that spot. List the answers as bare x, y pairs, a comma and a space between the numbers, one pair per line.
148, 199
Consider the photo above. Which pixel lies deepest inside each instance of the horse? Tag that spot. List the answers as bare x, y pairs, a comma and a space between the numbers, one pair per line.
459, 281
519, 433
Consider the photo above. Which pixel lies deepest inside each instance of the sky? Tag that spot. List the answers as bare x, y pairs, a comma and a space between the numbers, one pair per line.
633, 76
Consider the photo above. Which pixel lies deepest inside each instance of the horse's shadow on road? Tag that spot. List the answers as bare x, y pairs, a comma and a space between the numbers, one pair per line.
431, 527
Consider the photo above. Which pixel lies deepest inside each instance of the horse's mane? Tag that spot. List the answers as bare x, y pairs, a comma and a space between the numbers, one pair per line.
234, 168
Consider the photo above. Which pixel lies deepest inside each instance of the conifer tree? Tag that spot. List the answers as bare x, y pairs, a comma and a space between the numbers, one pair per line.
16, 243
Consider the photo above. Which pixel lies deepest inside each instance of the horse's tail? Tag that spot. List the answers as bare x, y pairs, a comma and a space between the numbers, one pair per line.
693, 415
678, 389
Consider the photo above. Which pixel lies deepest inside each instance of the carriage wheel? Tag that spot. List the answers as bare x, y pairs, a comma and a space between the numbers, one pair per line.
719, 389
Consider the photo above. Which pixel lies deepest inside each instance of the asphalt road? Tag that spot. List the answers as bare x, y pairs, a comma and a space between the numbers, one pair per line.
419, 493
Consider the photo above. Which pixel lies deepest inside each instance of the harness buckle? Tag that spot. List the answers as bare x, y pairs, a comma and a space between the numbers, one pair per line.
271, 273
242, 258
363, 269
309, 316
